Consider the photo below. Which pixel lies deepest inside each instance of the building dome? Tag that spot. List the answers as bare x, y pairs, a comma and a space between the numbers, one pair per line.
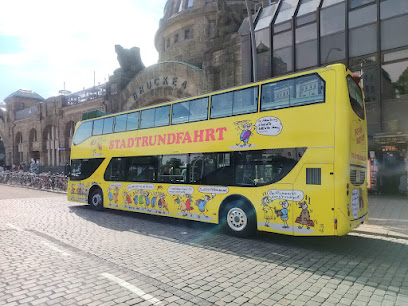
191, 28
24, 94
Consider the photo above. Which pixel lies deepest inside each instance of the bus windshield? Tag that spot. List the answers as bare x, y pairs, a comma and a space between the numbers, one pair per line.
356, 97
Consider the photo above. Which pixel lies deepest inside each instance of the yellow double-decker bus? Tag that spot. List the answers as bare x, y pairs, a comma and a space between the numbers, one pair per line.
286, 155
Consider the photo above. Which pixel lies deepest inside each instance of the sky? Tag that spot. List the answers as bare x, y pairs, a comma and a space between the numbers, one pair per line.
46, 43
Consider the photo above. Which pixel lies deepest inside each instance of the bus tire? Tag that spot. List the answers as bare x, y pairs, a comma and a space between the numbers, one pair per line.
96, 199
239, 219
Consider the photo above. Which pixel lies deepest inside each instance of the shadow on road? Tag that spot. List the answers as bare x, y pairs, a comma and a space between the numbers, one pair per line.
354, 258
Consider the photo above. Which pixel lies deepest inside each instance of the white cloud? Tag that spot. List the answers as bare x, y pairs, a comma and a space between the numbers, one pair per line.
67, 41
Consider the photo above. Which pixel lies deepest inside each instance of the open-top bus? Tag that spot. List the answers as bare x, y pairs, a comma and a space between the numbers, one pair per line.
286, 155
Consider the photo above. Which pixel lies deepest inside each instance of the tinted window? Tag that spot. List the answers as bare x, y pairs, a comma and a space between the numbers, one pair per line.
141, 169
162, 116
306, 54
190, 111
363, 40
116, 170
120, 123
332, 48
398, 27
282, 40
306, 33
234, 103
293, 92
81, 169
243, 168
147, 118
83, 132
333, 19
357, 3
282, 61
363, 16
108, 125
286, 10
389, 8
132, 121
356, 97
173, 168
97, 127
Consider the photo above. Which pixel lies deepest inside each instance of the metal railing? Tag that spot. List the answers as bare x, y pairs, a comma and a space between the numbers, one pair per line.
86, 95
42, 181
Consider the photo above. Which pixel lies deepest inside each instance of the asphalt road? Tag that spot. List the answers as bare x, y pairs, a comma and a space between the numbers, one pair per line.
55, 252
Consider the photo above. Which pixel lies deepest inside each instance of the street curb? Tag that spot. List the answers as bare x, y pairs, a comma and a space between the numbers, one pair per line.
399, 236
27, 187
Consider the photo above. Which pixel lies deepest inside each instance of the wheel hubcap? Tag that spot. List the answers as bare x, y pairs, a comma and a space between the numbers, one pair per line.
96, 199
237, 219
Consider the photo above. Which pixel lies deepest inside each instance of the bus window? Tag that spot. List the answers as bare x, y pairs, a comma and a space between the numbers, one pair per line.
116, 170
97, 127
132, 121
108, 125
277, 95
173, 168
309, 89
147, 118
236, 102
181, 112
293, 92
190, 111
221, 105
141, 169
211, 169
120, 123
198, 110
81, 169
245, 101
83, 132
253, 168
162, 116
356, 97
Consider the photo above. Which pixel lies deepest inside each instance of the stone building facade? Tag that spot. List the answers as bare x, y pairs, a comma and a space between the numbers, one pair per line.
199, 51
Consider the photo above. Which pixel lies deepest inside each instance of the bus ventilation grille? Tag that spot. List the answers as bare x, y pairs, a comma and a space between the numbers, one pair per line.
313, 176
357, 178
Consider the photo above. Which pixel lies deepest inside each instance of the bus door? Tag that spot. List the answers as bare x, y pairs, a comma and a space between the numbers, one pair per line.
314, 214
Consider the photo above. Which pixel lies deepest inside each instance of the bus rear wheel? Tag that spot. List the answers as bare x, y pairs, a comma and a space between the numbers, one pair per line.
239, 219
96, 200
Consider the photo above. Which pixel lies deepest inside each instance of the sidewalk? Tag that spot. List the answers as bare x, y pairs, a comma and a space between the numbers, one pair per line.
387, 216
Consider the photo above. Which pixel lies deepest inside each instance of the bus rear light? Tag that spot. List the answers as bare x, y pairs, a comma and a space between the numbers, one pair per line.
335, 223
356, 79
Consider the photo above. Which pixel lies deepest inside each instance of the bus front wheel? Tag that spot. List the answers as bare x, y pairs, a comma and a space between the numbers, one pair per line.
239, 220
96, 200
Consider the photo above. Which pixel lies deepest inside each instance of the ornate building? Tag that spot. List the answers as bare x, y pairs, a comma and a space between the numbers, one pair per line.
205, 45
199, 51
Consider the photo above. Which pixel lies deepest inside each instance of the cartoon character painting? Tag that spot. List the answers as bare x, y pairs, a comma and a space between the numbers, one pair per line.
246, 128
161, 204
154, 199
201, 203
304, 217
110, 195
283, 213
128, 199
96, 146
115, 195
268, 212
189, 206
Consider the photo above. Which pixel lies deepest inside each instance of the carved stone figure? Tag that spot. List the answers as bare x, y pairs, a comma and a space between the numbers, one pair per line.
227, 21
129, 60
